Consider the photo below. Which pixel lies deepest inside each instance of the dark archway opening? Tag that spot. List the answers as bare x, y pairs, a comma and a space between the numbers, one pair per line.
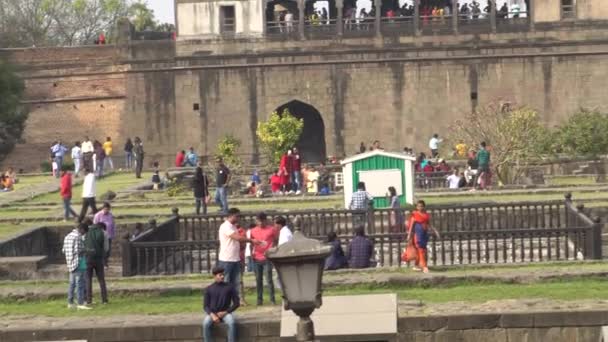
312, 141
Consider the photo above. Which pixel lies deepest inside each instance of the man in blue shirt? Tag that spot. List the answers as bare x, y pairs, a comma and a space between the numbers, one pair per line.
191, 157
58, 151
221, 299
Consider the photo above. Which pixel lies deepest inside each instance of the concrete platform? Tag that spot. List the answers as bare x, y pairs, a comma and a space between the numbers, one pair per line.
349, 318
16, 268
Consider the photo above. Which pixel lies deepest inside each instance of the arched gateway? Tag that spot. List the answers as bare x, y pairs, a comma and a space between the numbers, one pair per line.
312, 141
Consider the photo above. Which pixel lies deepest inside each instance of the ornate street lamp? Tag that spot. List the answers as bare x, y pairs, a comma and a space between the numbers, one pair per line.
300, 263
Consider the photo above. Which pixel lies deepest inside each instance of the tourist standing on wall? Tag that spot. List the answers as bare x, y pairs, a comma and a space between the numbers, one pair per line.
200, 187
229, 257
95, 244
88, 194
221, 299
268, 235
65, 190
138, 151
483, 160
296, 171
222, 179
285, 171
76, 155
75, 258
87, 150
105, 216
58, 150
434, 145
128, 154
107, 148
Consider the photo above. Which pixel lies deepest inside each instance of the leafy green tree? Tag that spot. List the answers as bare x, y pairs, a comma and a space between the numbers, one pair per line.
142, 17
12, 114
227, 149
585, 133
515, 136
278, 134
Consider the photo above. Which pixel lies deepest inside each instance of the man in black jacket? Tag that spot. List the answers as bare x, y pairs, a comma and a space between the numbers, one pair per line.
221, 299
95, 246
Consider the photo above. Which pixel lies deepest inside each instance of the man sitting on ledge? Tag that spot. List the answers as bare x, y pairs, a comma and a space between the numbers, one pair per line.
221, 299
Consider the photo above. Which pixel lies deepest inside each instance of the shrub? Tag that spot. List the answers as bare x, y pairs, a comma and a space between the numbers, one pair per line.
278, 134
584, 134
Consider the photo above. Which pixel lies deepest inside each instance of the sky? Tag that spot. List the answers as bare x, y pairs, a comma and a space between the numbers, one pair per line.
163, 10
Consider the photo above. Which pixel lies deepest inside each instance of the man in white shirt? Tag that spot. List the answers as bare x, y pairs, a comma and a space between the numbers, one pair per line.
76, 158
88, 194
87, 153
434, 145
453, 180
285, 234
229, 257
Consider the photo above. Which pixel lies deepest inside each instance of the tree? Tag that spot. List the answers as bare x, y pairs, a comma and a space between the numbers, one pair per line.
142, 17
278, 134
227, 149
12, 114
58, 22
584, 134
516, 137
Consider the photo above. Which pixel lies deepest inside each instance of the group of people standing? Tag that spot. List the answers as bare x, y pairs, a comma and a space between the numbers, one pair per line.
95, 156
200, 187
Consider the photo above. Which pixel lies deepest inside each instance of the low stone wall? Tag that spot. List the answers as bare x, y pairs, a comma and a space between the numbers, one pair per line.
558, 326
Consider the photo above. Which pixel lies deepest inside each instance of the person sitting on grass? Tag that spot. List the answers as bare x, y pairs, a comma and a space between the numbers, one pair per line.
221, 299
6, 184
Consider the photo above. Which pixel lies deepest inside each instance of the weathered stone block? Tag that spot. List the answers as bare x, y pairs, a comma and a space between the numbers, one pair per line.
422, 323
481, 321
516, 320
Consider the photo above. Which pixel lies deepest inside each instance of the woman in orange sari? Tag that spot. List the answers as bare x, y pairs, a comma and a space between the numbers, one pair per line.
418, 227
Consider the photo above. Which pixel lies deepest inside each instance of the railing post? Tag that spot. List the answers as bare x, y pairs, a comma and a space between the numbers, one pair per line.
301, 19
492, 4
371, 222
597, 238
417, 17
455, 16
177, 227
125, 246
530, 15
340, 20
378, 5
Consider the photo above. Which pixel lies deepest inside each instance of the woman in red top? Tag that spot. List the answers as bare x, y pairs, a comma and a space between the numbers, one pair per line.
65, 190
179, 158
275, 182
418, 227
284, 167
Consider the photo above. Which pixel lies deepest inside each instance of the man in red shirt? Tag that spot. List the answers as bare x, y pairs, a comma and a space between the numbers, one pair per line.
179, 159
266, 233
65, 190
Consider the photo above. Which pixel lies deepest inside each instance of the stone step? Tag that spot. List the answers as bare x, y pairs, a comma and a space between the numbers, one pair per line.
15, 268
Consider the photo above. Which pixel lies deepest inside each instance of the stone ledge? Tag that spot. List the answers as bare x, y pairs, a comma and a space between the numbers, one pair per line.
265, 327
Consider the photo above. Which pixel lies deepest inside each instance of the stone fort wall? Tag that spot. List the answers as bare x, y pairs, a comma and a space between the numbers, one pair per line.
398, 90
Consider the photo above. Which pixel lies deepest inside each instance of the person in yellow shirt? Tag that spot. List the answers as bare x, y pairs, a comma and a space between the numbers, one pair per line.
461, 149
107, 148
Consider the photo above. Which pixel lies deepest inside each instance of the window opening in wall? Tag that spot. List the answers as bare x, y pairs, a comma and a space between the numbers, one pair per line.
227, 19
568, 9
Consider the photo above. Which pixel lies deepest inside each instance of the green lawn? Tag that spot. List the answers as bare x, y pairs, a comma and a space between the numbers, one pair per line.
171, 302
559, 181
114, 182
28, 182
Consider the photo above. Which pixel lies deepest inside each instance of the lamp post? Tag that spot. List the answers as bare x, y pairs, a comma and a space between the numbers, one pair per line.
300, 264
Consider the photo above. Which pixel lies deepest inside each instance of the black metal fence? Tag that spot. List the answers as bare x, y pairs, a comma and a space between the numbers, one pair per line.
470, 234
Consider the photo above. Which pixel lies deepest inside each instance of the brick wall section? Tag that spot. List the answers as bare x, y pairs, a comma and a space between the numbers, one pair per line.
401, 103
581, 326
